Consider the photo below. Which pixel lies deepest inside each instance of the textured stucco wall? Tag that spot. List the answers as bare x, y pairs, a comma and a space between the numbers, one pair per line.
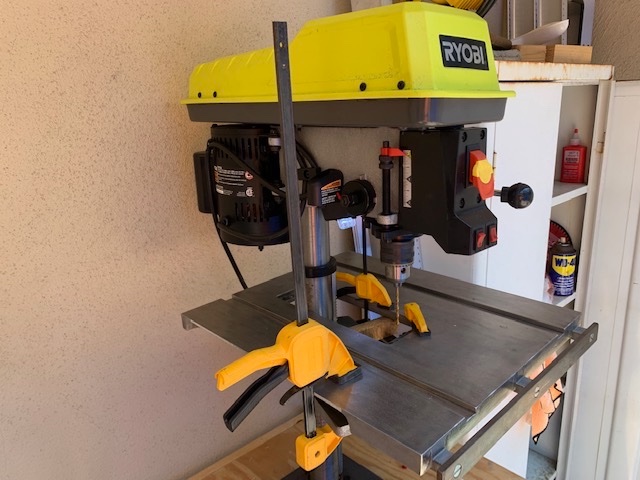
101, 244
616, 37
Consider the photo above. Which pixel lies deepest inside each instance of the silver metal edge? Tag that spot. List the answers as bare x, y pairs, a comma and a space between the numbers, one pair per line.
454, 466
517, 384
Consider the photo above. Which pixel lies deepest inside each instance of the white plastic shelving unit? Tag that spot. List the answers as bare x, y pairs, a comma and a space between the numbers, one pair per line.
563, 301
563, 192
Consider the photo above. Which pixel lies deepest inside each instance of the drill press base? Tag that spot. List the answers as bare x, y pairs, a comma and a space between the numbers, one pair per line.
351, 471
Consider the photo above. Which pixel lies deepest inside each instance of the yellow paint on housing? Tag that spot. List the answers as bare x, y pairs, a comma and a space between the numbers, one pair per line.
380, 53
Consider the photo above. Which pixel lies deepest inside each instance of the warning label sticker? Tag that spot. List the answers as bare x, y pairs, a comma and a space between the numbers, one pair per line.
330, 192
225, 176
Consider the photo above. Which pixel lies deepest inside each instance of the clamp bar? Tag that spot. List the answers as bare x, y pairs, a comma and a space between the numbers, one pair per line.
456, 465
287, 131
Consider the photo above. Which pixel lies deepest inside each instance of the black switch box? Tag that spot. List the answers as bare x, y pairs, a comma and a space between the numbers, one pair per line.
437, 197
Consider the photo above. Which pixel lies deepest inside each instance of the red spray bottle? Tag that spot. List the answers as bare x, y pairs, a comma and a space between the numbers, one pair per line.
574, 160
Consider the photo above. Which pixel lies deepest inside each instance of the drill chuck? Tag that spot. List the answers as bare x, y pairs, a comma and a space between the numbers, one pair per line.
397, 255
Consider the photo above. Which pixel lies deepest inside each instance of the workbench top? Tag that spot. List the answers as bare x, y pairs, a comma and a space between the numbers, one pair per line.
272, 456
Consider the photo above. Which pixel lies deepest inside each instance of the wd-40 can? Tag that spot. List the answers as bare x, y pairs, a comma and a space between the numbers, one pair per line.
563, 267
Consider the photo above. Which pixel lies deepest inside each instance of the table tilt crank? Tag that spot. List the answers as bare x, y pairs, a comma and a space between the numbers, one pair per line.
426, 70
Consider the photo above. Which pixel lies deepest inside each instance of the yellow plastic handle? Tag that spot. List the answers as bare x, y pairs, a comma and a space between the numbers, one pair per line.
251, 362
367, 287
311, 350
346, 278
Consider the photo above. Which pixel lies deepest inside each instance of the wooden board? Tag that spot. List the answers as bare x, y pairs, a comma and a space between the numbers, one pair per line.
569, 53
272, 457
532, 53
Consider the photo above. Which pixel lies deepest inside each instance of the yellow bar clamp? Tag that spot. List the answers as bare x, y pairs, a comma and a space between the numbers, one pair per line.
367, 287
414, 315
311, 351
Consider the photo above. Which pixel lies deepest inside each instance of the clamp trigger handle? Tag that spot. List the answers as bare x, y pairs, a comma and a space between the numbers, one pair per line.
250, 398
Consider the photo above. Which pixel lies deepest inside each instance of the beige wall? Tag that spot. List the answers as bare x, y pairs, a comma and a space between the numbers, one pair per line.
616, 37
101, 243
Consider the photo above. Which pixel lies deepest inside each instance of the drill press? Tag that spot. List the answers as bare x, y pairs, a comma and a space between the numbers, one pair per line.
426, 70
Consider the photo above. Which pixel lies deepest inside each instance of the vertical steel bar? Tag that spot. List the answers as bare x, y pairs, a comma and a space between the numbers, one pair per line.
287, 131
309, 407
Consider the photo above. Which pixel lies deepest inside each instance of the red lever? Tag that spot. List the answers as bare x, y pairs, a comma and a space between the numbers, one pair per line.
391, 152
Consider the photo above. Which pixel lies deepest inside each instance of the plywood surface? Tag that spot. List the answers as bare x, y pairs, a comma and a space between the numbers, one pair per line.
271, 457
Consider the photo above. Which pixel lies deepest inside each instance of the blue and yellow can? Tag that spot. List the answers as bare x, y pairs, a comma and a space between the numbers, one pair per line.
563, 267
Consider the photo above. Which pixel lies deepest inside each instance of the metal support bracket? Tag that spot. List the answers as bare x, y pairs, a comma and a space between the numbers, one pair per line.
187, 324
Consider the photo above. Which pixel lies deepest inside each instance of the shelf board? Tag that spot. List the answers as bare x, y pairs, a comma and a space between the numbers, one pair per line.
563, 301
509, 71
540, 467
563, 192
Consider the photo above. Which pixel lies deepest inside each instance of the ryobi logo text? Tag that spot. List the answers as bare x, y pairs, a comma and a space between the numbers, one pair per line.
463, 53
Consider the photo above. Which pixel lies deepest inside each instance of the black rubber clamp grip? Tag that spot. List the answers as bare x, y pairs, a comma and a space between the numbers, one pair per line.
253, 394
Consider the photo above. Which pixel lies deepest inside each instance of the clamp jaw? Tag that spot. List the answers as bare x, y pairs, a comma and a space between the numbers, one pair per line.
312, 452
414, 315
303, 355
369, 288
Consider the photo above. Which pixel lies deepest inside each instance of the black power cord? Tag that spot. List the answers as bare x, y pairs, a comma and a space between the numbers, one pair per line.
485, 7
232, 261
305, 160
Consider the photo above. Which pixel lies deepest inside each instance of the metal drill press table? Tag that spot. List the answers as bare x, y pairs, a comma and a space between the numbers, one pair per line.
419, 396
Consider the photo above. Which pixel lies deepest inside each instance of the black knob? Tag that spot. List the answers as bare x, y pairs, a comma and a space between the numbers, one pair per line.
358, 197
519, 195
350, 199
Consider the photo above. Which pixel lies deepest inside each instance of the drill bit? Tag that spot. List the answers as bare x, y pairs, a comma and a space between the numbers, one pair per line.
397, 303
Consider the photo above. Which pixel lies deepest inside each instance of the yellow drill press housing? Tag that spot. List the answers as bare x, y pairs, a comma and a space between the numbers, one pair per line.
421, 64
